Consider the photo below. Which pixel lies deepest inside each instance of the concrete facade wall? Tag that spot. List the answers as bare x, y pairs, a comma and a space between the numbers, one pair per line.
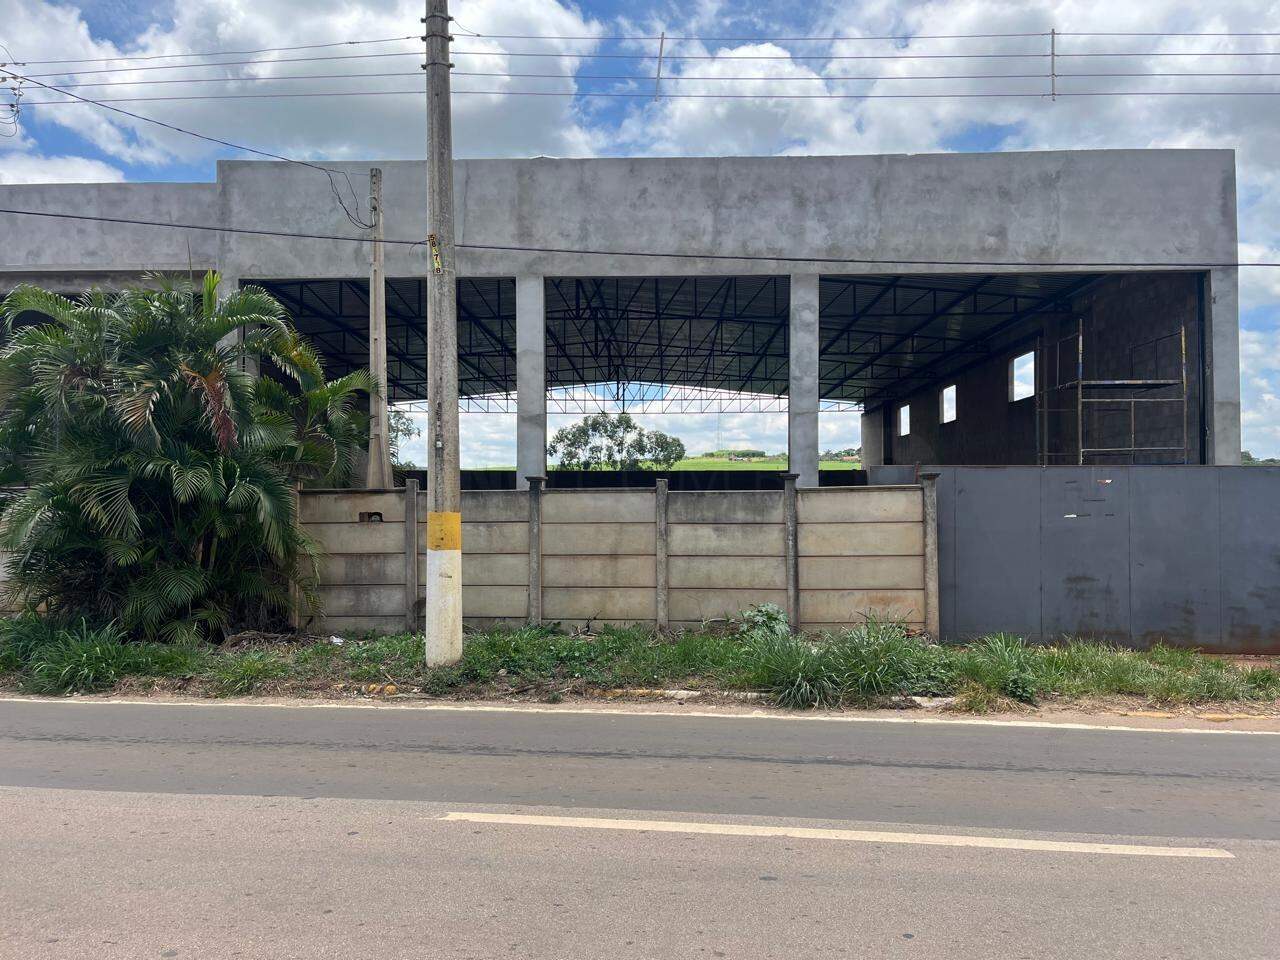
1158, 206
860, 553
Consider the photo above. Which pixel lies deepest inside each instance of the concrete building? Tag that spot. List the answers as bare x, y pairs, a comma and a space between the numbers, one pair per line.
1013, 308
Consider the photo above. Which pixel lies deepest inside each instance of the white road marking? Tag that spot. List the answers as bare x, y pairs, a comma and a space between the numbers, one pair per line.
624, 712
856, 836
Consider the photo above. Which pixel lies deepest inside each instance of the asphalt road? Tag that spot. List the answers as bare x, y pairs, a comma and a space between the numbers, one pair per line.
257, 831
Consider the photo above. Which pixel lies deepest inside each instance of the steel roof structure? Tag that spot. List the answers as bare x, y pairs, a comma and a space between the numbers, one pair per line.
687, 344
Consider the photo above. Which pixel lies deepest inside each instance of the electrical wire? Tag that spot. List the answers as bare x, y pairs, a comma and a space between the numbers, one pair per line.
355, 218
1006, 95
223, 53
678, 77
227, 63
1046, 264
1136, 55
897, 38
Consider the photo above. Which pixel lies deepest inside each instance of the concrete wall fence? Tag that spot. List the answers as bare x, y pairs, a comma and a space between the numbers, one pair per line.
829, 556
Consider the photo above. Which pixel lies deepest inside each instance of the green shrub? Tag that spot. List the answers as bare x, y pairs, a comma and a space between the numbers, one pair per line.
82, 660
1003, 663
242, 673
797, 673
156, 478
765, 619
22, 636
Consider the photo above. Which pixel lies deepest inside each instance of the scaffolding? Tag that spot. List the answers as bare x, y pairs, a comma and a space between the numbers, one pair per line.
1086, 416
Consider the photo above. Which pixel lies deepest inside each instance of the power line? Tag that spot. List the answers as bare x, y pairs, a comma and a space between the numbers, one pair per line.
1137, 55
1003, 95
678, 77
329, 173
1200, 265
222, 53
897, 38
229, 63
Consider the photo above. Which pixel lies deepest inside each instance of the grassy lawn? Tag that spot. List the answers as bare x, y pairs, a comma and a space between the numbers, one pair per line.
720, 463
859, 667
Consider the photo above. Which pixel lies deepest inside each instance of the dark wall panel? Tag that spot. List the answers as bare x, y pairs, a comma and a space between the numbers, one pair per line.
994, 544
1188, 556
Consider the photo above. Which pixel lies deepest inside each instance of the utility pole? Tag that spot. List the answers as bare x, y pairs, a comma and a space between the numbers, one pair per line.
378, 469
443, 620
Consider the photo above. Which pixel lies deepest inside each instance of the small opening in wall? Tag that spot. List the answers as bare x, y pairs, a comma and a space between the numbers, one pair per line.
372, 516
947, 404
1022, 377
904, 420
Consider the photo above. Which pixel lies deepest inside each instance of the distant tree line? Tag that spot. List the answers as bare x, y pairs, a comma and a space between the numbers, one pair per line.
606, 442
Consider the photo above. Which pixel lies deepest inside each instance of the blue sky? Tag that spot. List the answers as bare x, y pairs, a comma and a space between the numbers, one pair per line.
79, 143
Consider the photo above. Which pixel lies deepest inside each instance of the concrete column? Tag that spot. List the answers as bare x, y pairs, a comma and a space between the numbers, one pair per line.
534, 485
1222, 342
792, 550
410, 554
802, 401
873, 438
531, 380
932, 610
662, 614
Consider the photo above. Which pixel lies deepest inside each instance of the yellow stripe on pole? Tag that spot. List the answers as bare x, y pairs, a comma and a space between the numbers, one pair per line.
444, 531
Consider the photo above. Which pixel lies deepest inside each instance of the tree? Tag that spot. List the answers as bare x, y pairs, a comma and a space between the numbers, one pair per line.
159, 477
606, 442
403, 429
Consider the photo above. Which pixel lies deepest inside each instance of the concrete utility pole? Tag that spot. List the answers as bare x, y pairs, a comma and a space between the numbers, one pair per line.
443, 620
378, 469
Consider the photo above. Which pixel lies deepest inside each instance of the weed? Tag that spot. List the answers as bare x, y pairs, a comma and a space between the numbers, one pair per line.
241, 673
82, 659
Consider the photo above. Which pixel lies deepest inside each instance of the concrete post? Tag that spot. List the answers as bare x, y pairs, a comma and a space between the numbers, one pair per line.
792, 549
443, 586
378, 474
1222, 339
410, 554
802, 399
662, 615
932, 613
535, 485
531, 380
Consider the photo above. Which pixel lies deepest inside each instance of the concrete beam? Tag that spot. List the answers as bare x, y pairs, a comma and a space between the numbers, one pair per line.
1222, 338
802, 400
531, 380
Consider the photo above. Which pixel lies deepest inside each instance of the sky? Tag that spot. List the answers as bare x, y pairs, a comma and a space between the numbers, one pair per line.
83, 143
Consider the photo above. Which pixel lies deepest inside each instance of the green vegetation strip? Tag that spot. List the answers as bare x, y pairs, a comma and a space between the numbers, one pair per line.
858, 667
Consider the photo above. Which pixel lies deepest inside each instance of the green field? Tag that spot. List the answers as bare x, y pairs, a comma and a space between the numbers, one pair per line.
719, 463
770, 463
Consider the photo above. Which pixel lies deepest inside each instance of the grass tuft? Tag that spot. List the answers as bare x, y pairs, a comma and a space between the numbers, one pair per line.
864, 665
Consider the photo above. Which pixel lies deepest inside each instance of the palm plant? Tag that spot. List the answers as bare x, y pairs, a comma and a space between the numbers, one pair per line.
159, 477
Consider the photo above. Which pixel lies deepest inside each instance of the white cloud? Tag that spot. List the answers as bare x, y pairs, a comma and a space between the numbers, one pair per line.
336, 128
22, 167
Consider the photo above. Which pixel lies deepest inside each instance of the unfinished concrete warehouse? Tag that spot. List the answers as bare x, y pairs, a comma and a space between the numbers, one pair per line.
1039, 308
